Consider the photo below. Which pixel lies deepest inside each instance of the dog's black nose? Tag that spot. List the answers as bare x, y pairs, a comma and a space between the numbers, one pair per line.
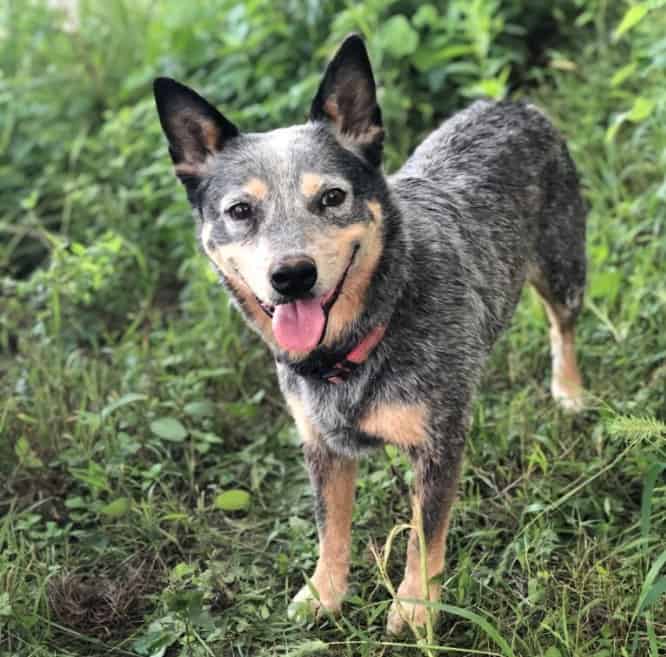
294, 277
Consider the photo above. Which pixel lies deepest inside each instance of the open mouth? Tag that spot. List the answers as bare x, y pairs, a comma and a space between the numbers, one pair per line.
300, 325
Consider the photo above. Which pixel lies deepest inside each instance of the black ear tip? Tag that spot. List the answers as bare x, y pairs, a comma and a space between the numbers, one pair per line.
354, 38
353, 43
352, 52
162, 86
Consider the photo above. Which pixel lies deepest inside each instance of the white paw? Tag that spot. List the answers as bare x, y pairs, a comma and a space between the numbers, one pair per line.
309, 604
403, 614
570, 397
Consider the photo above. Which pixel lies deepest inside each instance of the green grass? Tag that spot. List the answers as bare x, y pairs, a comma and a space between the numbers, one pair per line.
132, 398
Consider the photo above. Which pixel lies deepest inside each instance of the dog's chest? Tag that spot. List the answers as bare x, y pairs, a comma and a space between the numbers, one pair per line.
335, 418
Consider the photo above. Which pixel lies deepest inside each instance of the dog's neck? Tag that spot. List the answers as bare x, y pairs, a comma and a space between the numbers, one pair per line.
341, 371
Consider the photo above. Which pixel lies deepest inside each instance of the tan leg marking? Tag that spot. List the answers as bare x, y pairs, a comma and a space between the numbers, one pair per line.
412, 583
310, 184
400, 424
352, 296
257, 188
332, 570
411, 586
566, 383
329, 579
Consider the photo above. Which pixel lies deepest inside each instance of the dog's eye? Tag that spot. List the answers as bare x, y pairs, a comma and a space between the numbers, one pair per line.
332, 198
240, 211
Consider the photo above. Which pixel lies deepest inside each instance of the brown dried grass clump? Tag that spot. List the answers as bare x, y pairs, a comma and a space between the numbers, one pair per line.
100, 605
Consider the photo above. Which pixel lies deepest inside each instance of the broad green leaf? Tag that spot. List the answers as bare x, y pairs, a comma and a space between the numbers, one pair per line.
76, 503
632, 17
129, 398
641, 109
182, 570
233, 500
119, 507
606, 285
398, 37
169, 428
94, 476
203, 408
161, 634
174, 517
426, 16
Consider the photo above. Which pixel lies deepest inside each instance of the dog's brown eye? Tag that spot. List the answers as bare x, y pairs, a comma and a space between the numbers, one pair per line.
240, 211
332, 198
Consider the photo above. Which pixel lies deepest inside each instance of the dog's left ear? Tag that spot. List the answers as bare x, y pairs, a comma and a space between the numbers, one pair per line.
347, 100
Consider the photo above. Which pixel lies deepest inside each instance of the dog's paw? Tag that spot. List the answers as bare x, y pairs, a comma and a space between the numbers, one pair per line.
403, 614
311, 603
570, 395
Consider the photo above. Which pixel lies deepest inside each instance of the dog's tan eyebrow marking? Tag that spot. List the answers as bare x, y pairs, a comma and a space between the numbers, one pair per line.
310, 184
397, 423
257, 188
375, 209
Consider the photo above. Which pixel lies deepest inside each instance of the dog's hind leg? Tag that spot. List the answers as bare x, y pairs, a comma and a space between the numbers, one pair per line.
558, 269
435, 483
566, 382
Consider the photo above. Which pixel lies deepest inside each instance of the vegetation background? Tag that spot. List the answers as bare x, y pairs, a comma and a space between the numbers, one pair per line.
153, 498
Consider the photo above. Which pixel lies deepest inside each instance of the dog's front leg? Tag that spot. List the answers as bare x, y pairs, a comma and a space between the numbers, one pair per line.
333, 479
435, 482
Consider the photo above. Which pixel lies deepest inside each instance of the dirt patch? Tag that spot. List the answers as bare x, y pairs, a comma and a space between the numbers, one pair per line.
108, 603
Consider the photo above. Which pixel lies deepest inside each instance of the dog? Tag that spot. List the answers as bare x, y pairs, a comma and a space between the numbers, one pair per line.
381, 297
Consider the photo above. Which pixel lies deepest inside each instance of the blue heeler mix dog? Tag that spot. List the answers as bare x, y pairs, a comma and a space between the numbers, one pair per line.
379, 297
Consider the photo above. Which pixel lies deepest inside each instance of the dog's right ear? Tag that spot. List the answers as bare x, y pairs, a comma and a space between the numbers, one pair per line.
194, 128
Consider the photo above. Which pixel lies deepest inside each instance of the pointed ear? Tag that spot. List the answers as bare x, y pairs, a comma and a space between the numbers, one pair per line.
194, 128
347, 100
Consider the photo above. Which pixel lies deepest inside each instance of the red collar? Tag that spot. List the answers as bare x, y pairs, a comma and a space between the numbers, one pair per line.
359, 354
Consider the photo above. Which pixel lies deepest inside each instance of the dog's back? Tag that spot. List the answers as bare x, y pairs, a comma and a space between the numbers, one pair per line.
491, 198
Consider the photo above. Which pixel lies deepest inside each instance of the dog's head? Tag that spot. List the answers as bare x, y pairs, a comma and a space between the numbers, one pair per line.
291, 218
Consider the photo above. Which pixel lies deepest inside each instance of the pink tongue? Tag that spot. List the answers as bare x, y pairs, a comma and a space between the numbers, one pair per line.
298, 326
